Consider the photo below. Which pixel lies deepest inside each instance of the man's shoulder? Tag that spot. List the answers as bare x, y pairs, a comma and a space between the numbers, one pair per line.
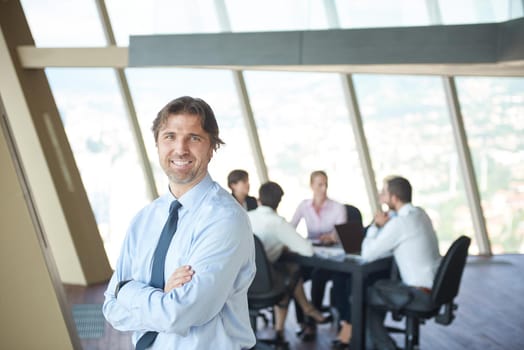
162, 201
263, 213
217, 195
413, 221
219, 202
417, 212
152, 213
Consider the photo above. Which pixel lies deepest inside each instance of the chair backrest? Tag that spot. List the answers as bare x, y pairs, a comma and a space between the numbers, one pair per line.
353, 213
263, 281
447, 280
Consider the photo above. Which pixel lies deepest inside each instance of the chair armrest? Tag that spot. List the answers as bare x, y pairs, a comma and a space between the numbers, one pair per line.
447, 316
396, 316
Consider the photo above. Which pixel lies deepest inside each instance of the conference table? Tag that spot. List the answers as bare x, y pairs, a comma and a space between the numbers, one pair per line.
359, 272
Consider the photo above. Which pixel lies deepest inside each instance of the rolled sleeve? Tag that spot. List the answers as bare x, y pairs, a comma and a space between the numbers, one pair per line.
117, 311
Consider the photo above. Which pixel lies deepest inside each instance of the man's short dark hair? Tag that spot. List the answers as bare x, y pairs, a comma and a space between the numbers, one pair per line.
400, 187
236, 176
270, 194
193, 106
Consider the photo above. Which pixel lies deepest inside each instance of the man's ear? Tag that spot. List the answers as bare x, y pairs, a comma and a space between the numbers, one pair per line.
394, 199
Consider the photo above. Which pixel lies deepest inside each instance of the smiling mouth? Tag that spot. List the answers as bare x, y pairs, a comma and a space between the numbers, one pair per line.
180, 163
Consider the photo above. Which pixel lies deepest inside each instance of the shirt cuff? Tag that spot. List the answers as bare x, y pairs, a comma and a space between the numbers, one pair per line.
128, 296
119, 286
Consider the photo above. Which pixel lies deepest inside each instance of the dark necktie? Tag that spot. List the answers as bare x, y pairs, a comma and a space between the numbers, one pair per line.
159, 258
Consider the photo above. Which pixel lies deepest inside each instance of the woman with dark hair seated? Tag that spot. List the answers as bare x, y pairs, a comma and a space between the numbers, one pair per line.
238, 183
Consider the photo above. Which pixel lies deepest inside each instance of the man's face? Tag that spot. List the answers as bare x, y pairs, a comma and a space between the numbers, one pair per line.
184, 151
385, 197
241, 187
319, 186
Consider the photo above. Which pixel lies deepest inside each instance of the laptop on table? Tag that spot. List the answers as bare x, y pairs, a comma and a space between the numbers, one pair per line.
350, 235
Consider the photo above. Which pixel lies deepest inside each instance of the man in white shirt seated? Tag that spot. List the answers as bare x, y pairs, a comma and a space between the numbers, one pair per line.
277, 236
408, 236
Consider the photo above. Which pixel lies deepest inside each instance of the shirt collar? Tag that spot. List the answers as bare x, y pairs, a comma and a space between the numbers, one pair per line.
191, 198
326, 203
406, 208
264, 208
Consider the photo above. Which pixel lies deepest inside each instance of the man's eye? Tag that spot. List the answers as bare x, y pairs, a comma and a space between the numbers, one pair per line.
195, 138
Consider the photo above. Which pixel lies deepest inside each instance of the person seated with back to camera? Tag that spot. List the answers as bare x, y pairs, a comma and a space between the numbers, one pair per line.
278, 236
320, 214
238, 183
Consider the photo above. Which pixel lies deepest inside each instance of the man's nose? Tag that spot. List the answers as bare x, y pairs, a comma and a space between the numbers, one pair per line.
180, 146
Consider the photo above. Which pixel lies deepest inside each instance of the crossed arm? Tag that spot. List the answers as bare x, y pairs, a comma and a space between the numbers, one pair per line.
181, 276
221, 272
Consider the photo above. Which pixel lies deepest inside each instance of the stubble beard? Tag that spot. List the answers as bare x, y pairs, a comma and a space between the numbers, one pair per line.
178, 180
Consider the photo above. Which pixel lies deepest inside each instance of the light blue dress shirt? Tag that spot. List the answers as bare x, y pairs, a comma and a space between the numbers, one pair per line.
214, 236
410, 237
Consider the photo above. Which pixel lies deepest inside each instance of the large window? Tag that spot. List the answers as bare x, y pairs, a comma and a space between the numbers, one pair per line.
161, 17
303, 125
100, 136
276, 15
493, 111
302, 118
382, 13
152, 89
409, 134
475, 11
64, 23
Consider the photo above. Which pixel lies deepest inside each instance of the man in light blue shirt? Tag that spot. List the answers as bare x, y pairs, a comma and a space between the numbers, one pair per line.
210, 263
410, 237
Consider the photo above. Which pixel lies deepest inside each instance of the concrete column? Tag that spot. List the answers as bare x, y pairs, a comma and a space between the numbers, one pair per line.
58, 192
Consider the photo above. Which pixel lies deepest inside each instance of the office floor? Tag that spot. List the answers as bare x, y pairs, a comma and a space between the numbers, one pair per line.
490, 313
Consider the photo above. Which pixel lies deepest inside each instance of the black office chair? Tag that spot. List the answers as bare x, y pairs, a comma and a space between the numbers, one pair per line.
445, 289
267, 289
353, 213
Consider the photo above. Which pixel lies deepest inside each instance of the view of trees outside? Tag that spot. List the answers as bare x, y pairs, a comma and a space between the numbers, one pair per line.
493, 112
